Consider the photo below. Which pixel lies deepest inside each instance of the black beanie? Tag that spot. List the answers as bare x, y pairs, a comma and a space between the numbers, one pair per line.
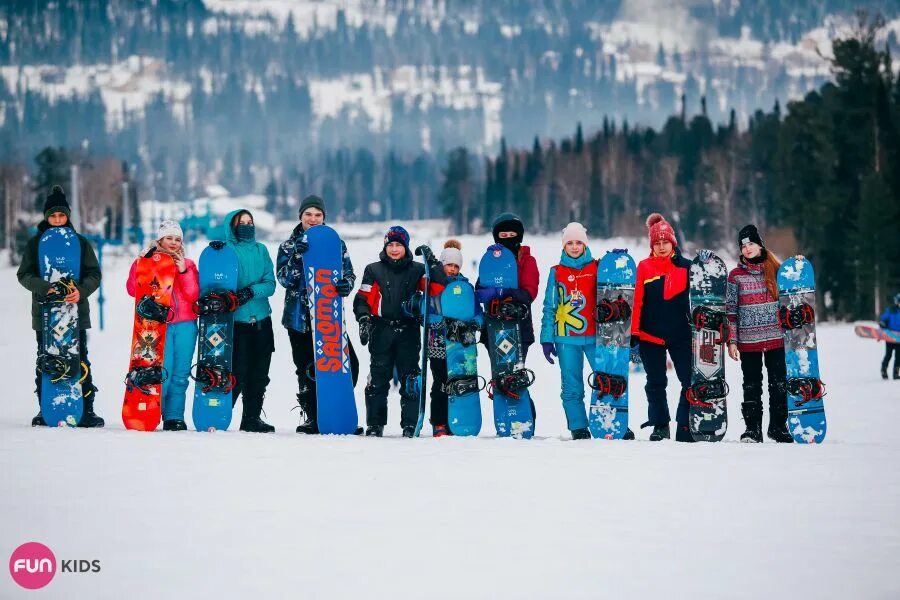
749, 234
56, 202
312, 201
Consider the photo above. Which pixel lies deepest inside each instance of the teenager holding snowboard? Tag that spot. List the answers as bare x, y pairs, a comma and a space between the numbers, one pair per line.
661, 322
56, 214
254, 340
890, 319
181, 330
755, 336
391, 333
296, 316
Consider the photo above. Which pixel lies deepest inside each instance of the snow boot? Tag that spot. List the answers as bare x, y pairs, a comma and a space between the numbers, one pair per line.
884, 374
581, 434
440, 431
38, 420
660, 432
174, 425
629, 434
896, 372
255, 425
409, 432
90, 420
778, 430
683, 433
374, 431
752, 412
309, 425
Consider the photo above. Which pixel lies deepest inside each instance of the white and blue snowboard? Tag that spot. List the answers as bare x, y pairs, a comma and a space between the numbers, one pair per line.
463, 385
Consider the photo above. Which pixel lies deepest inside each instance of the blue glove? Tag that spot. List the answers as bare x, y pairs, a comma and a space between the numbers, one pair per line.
486, 294
343, 287
549, 349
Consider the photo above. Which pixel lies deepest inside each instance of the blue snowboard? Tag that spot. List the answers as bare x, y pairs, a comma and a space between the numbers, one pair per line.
215, 339
464, 410
59, 255
615, 290
797, 303
335, 402
512, 414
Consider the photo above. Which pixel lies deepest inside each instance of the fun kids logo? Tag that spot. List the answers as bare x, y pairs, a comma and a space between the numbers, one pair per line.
33, 565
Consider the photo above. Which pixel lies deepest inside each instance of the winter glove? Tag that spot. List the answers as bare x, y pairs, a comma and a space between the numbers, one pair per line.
244, 295
217, 244
549, 351
427, 256
343, 287
486, 294
365, 329
413, 306
301, 246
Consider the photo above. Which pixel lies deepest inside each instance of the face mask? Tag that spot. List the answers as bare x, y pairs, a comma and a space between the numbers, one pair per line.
245, 232
512, 244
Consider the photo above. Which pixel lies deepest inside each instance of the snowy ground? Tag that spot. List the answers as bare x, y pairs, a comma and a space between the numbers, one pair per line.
235, 515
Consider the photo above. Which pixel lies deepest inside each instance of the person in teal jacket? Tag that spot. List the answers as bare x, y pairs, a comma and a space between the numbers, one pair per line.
569, 324
254, 340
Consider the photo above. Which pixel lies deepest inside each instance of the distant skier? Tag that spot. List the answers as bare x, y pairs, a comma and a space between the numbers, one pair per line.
296, 317
56, 214
890, 319
181, 331
254, 340
391, 333
755, 336
661, 322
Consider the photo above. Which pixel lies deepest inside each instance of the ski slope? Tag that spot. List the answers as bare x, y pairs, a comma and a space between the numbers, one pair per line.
235, 515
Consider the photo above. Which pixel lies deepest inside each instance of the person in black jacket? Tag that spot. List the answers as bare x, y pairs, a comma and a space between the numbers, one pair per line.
392, 333
56, 214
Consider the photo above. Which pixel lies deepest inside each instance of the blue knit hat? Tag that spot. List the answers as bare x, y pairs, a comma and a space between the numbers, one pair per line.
397, 234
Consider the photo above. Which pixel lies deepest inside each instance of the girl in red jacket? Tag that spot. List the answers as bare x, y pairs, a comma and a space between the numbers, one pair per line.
755, 335
181, 331
661, 322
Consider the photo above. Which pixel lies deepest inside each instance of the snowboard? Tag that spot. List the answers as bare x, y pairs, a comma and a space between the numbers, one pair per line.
797, 314
59, 257
463, 387
707, 416
213, 377
154, 280
509, 377
608, 417
324, 265
877, 333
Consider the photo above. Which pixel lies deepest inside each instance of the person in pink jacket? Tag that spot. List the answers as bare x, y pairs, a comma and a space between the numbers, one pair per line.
181, 332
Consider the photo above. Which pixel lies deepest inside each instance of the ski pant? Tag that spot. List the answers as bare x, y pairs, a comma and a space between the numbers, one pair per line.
439, 399
304, 358
571, 367
181, 339
776, 373
254, 344
891, 348
88, 389
654, 358
392, 346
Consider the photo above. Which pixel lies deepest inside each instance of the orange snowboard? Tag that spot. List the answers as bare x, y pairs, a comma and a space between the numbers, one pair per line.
154, 278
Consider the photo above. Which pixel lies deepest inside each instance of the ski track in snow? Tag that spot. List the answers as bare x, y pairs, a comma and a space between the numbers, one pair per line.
234, 515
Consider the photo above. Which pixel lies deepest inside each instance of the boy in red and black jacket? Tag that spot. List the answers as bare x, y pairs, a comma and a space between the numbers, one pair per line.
394, 333
661, 321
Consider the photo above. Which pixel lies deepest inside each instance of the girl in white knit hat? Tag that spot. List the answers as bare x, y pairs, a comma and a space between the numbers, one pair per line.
569, 325
181, 331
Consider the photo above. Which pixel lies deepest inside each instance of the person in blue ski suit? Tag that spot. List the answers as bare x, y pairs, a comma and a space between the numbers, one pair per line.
254, 340
890, 319
296, 316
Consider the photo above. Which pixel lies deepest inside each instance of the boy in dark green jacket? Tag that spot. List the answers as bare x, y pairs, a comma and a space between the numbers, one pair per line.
56, 214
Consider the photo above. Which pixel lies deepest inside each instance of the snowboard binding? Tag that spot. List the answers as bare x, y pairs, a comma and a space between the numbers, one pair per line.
462, 332
216, 303
796, 316
701, 394
213, 377
60, 289
151, 310
609, 311
607, 385
807, 388
55, 367
460, 386
510, 385
704, 318
507, 311
144, 377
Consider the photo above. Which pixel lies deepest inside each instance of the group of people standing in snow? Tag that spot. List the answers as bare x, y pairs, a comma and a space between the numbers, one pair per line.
661, 322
